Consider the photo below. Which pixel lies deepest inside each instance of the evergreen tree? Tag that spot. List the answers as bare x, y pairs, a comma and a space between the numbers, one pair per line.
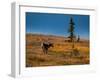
71, 30
78, 38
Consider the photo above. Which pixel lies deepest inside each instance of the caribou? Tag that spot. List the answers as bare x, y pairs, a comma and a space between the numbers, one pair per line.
45, 46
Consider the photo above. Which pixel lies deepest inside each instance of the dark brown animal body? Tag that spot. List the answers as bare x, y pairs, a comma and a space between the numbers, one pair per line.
45, 46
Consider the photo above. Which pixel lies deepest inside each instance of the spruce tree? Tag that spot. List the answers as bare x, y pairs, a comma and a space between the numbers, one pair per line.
71, 29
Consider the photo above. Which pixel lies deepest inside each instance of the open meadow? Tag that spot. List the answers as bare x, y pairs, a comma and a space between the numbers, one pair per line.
60, 54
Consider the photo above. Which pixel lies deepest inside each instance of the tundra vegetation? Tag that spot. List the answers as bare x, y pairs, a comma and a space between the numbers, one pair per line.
60, 54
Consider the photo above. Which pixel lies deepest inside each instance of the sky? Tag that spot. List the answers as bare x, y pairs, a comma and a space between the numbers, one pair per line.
56, 24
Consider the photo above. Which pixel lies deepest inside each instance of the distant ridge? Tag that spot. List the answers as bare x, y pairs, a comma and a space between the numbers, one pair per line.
34, 34
52, 36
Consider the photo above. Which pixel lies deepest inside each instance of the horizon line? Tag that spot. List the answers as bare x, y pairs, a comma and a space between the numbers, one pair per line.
55, 35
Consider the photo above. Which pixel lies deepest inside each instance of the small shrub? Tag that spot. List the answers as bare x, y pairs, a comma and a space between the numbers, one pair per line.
75, 52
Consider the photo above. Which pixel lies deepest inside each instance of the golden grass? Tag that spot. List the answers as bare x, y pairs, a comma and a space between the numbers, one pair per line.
60, 54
